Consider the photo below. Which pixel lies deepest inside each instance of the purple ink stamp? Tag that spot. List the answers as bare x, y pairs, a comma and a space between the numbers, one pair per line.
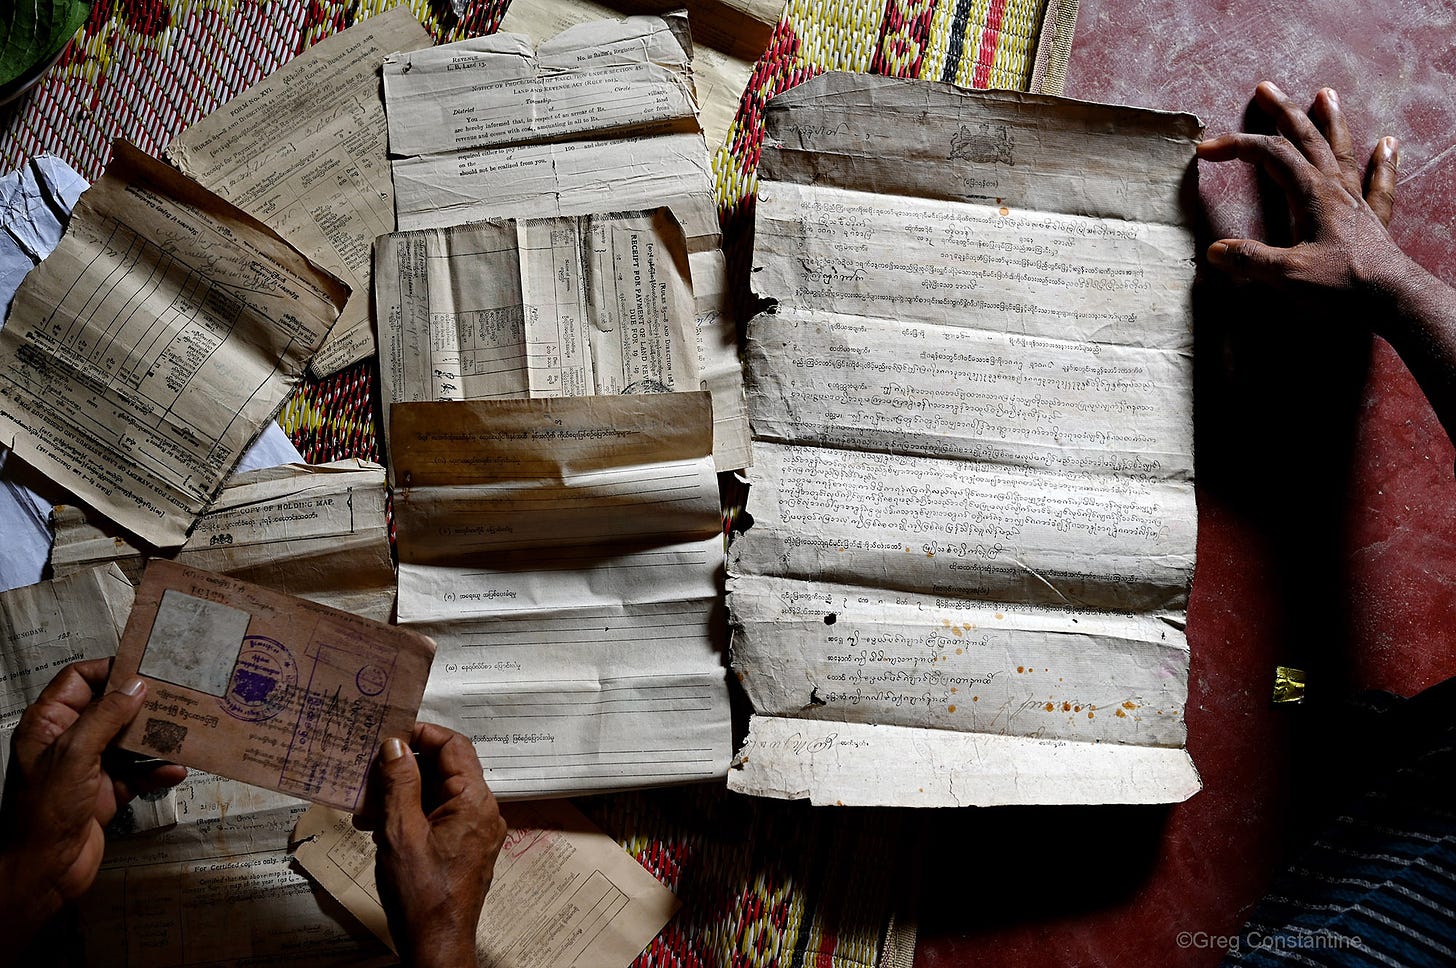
263, 682
371, 680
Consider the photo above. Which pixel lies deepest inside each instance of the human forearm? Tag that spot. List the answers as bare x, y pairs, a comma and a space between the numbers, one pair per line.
440, 935
23, 909
449, 951
1416, 313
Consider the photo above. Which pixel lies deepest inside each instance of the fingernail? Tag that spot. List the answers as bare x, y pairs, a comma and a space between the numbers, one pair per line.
1334, 98
393, 749
1274, 88
1218, 252
134, 687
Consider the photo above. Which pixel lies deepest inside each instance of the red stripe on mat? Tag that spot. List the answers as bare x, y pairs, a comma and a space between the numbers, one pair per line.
990, 37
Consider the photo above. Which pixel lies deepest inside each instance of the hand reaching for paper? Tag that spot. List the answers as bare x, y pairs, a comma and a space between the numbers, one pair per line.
60, 793
438, 840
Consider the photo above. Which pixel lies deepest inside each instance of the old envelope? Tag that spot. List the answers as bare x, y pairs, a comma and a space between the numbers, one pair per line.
265, 688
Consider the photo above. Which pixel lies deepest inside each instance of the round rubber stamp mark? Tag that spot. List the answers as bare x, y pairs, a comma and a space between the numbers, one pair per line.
263, 680
371, 680
647, 386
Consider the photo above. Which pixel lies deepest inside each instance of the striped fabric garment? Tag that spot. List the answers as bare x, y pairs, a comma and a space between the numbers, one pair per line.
1378, 884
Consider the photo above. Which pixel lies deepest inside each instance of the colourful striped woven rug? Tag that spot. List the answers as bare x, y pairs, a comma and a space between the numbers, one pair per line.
763, 883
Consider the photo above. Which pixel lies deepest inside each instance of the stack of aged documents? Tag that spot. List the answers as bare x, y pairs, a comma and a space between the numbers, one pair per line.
304, 150
548, 314
601, 118
727, 35
561, 374
153, 345
571, 575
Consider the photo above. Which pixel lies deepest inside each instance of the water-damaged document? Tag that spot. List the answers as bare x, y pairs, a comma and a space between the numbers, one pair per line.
304, 150
265, 688
317, 531
974, 522
563, 893
151, 347
566, 556
601, 118
551, 307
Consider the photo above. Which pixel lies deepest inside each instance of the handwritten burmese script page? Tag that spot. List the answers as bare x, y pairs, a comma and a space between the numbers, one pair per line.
266, 688
563, 894
974, 530
563, 306
304, 150
566, 555
151, 347
600, 119
727, 38
316, 531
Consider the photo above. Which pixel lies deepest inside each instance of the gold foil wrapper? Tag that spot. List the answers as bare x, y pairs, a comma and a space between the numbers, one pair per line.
1288, 685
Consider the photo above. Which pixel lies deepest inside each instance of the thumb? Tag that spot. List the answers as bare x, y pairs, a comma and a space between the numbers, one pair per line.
1248, 259
100, 722
399, 777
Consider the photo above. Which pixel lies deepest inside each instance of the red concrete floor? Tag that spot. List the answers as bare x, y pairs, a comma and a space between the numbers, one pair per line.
1327, 536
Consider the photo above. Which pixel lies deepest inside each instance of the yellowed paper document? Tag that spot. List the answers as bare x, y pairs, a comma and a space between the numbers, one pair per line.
46, 626
316, 531
600, 118
727, 38
304, 150
219, 890
151, 347
974, 525
567, 306
564, 893
566, 556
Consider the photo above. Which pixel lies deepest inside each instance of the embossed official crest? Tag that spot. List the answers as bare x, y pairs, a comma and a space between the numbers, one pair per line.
982, 144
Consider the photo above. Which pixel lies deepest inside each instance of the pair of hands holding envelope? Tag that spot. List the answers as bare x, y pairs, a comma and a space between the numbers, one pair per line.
438, 829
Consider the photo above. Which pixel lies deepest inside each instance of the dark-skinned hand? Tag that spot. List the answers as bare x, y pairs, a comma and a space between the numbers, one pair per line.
60, 794
1343, 258
1339, 212
439, 831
